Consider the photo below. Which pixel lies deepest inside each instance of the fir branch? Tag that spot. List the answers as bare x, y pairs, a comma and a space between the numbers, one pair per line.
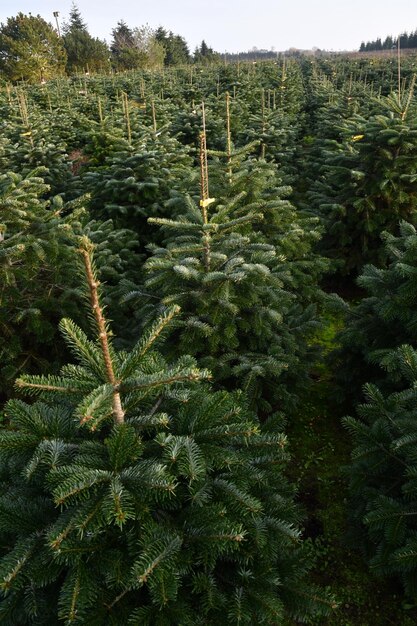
93, 284
24, 383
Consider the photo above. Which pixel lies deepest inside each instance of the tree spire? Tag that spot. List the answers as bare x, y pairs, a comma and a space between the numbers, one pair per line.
93, 285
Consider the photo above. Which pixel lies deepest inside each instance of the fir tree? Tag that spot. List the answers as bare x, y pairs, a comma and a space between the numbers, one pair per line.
37, 147
377, 346
383, 470
125, 55
84, 52
132, 498
276, 132
175, 46
367, 183
235, 267
135, 182
75, 22
37, 275
384, 319
204, 54
122, 37
32, 261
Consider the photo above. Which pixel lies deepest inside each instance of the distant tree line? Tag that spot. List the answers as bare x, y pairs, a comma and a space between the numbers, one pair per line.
251, 55
407, 40
32, 50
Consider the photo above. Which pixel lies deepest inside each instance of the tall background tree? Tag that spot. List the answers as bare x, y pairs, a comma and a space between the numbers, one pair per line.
125, 55
204, 54
136, 47
30, 49
83, 51
152, 53
175, 46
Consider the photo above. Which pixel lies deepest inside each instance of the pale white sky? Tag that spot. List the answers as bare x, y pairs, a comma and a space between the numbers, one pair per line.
235, 25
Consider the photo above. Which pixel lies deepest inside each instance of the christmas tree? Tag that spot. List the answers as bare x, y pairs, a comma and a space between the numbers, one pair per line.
133, 494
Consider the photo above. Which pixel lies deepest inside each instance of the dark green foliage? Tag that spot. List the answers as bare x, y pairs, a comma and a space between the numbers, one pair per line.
125, 55
204, 54
228, 294
30, 49
375, 346
38, 277
34, 268
367, 183
138, 499
276, 133
405, 40
136, 181
383, 471
84, 52
124, 147
385, 318
37, 150
175, 46
187, 124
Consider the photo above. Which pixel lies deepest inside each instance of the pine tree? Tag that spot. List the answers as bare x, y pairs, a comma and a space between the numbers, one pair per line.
30, 49
130, 497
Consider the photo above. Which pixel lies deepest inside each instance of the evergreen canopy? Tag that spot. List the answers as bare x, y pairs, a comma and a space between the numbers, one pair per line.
30, 49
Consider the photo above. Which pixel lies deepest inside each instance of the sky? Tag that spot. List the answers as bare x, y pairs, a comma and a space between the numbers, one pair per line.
233, 25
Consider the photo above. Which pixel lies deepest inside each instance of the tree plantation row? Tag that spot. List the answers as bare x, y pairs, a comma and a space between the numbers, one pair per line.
197, 265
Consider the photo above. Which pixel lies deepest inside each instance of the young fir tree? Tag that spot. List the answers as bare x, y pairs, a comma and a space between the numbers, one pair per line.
377, 345
33, 263
38, 281
326, 112
187, 123
35, 146
276, 132
383, 470
242, 270
368, 182
384, 319
130, 496
136, 180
